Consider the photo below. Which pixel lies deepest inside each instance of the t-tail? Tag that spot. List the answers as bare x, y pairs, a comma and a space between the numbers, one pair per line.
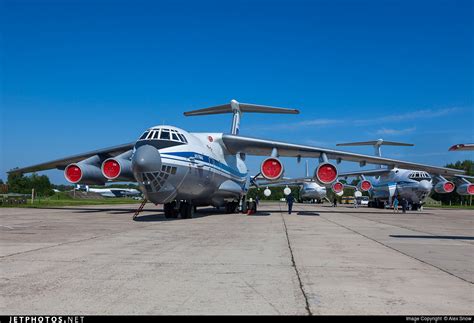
377, 144
237, 110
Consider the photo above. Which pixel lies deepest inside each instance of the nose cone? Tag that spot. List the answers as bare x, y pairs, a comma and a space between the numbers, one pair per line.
146, 159
426, 186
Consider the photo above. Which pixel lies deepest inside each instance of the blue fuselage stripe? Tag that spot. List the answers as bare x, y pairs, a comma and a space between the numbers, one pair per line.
208, 160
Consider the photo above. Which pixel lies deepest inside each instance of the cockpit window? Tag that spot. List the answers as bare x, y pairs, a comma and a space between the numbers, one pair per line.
164, 134
419, 176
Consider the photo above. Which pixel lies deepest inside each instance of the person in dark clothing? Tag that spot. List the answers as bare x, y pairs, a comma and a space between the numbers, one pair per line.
404, 205
289, 200
334, 204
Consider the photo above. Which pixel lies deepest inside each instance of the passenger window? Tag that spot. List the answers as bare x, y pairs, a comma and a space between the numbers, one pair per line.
165, 134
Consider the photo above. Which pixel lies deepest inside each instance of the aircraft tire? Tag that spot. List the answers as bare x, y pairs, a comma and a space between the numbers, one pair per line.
169, 210
183, 210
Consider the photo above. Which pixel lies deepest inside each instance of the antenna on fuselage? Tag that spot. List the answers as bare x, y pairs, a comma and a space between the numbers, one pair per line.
237, 109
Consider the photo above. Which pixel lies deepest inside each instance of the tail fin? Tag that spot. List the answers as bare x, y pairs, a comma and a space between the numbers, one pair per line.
376, 144
237, 108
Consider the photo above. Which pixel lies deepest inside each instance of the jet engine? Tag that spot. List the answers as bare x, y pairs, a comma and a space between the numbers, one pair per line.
326, 173
465, 189
117, 169
272, 168
364, 185
337, 187
85, 172
444, 187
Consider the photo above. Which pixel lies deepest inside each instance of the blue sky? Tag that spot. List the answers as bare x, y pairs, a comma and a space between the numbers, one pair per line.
81, 75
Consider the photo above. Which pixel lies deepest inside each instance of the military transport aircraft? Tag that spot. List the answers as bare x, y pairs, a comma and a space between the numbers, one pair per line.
183, 170
413, 185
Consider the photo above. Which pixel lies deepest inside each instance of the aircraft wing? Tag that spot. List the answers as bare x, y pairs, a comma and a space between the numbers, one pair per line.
63, 162
284, 181
262, 147
368, 172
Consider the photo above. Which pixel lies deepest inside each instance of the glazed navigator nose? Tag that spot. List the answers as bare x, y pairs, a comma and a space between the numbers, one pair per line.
146, 159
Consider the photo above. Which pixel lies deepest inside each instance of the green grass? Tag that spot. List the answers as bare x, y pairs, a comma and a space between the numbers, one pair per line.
467, 207
78, 202
63, 199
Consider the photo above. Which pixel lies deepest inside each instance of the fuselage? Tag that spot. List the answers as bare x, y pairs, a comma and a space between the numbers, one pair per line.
312, 191
414, 186
172, 164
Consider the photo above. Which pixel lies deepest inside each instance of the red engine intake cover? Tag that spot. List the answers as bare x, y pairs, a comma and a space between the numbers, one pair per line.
448, 187
337, 187
111, 169
470, 189
271, 168
73, 173
365, 185
326, 173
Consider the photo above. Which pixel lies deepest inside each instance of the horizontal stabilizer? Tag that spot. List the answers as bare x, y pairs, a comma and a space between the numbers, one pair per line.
462, 147
379, 142
241, 107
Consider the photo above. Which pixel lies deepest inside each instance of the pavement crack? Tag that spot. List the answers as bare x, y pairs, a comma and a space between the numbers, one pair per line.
396, 250
293, 264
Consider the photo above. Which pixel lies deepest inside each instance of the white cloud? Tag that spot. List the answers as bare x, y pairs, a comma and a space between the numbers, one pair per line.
395, 132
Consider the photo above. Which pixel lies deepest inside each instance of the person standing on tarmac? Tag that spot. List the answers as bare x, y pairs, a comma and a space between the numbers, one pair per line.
404, 205
395, 205
289, 200
334, 204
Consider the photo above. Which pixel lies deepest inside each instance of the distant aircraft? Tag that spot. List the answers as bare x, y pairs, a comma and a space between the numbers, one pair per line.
310, 190
459, 147
111, 192
413, 185
183, 170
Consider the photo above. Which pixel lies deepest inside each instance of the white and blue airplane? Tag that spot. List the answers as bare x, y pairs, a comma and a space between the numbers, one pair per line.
182, 170
383, 184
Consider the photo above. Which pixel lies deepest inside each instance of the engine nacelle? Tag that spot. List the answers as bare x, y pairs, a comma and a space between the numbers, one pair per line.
84, 173
117, 169
326, 173
337, 187
364, 185
465, 189
444, 187
272, 168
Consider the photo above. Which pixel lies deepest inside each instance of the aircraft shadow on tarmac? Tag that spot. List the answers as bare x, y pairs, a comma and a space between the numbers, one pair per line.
355, 210
308, 213
432, 237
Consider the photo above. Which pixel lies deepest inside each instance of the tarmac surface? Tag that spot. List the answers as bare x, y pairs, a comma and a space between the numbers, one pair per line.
319, 260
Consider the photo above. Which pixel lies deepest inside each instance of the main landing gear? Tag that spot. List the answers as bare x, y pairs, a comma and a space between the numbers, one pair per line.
183, 208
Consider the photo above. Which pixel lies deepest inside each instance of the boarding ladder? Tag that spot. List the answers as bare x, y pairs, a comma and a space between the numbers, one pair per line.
140, 208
